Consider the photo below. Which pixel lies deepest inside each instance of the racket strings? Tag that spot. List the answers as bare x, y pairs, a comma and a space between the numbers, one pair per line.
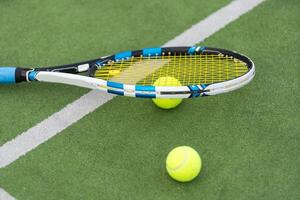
187, 69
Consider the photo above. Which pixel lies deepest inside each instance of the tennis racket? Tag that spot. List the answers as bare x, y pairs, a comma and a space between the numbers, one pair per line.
201, 71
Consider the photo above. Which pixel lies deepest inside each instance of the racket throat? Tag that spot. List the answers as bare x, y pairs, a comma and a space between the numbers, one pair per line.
25, 75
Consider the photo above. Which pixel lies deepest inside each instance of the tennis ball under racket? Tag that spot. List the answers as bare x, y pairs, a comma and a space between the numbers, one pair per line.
167, 103
183, 163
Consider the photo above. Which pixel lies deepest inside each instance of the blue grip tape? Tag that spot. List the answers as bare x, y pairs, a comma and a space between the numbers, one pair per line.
7, 75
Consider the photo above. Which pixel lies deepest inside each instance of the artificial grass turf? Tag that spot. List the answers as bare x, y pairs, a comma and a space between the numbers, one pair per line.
248, 139
35, 33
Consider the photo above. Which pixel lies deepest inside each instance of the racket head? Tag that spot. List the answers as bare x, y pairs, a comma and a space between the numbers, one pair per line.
201, 71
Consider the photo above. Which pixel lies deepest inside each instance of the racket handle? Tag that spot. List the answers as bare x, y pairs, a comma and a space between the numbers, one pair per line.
12, 75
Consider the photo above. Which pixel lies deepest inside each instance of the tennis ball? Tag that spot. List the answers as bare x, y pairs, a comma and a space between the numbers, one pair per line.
167, 103
183, 163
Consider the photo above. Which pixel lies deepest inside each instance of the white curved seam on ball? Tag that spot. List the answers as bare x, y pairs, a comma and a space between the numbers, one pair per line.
186, 157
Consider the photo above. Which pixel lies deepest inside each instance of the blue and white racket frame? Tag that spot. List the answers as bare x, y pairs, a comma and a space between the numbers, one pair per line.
67, 74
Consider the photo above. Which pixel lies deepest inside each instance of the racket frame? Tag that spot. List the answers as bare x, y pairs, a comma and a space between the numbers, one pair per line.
66, 74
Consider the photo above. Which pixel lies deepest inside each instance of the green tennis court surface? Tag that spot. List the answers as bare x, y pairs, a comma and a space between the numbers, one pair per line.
248, 139
56, 32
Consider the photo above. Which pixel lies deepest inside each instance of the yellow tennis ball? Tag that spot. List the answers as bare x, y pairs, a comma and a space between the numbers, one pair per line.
183, 163
167, 103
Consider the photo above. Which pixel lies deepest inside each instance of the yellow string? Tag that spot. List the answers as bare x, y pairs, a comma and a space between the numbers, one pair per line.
188, 69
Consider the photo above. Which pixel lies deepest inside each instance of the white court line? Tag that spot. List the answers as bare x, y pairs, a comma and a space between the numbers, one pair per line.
214, 23
5, 196
27, 141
